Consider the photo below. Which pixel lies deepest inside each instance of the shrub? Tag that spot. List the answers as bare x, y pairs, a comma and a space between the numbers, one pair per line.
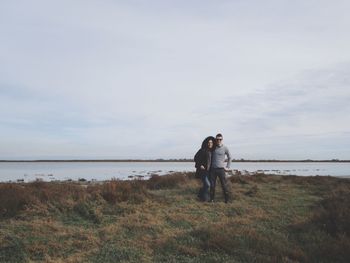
330, 225
333, 213
87, 212
246, 179
167, 181
252, 191
13, 198
49, 192
119, 191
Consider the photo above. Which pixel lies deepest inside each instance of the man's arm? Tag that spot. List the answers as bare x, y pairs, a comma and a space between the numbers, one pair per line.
229, 158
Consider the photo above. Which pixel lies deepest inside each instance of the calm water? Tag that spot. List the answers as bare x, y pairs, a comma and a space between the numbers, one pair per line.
49, 171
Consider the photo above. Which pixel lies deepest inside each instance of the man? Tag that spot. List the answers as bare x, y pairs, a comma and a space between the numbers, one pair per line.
218, 167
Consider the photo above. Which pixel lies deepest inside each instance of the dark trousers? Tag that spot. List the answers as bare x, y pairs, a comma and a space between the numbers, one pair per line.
214, 173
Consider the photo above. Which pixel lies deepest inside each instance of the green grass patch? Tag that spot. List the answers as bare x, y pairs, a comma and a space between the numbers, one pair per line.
269, 219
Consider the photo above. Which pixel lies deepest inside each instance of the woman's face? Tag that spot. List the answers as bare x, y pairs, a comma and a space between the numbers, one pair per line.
210, 144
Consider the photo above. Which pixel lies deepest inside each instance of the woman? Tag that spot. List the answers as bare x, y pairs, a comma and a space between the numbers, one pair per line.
203, 161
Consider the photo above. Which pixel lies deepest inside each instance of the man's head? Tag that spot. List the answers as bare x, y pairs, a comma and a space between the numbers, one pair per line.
219, 139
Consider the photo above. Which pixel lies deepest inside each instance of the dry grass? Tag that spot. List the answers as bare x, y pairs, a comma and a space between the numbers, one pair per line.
270, 219
15, 198
333, 213
121, 191
169, 181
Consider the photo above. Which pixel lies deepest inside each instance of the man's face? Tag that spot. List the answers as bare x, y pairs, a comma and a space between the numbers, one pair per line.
219, 140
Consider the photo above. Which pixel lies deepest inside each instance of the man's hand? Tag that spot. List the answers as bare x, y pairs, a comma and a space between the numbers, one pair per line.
202, 167
227, 169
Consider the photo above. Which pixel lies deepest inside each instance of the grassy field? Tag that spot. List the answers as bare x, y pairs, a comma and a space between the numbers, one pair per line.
268, 219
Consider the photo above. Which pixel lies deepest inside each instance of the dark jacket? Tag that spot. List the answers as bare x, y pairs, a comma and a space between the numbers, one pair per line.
203, 156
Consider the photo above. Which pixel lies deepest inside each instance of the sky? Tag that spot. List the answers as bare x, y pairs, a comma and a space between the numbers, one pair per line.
151, 79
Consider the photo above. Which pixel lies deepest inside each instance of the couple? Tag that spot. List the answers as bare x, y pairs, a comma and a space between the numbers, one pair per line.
210, 164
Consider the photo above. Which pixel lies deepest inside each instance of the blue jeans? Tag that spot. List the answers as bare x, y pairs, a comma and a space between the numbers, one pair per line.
204, 192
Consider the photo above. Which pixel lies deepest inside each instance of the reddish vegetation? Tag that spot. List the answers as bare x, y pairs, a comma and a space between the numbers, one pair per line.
16, 197
333, 213
120, 191
270, 219
167, 181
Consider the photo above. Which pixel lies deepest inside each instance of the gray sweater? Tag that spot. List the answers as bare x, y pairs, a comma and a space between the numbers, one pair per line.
218, 157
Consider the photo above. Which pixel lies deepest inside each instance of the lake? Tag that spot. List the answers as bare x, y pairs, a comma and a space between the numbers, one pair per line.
50, 171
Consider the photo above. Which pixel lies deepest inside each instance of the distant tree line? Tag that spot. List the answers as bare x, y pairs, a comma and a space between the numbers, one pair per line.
176, 160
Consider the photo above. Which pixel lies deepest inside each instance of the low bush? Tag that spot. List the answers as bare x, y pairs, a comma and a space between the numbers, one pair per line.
246, 179
67, 196
60, 193
329, 224
87, 212
119, 191
13, 198
167, 181
333, 213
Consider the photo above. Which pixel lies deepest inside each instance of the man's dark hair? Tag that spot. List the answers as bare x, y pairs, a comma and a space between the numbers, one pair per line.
219, 135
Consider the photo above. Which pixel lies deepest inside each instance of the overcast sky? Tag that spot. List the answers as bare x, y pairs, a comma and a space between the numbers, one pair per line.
151, 79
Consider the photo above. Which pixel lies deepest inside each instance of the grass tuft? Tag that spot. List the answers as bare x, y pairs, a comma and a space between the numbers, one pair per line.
271, 218
170, 181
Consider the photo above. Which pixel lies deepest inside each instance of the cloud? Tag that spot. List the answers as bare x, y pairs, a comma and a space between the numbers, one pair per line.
136, 79
306, 112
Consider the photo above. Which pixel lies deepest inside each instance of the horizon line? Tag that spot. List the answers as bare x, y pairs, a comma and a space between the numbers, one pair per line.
173, 160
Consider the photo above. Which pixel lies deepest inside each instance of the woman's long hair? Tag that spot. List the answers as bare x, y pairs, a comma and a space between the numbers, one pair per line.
205, 143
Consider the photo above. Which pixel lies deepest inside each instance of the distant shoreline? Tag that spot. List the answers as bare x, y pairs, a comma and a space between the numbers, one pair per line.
174, 160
